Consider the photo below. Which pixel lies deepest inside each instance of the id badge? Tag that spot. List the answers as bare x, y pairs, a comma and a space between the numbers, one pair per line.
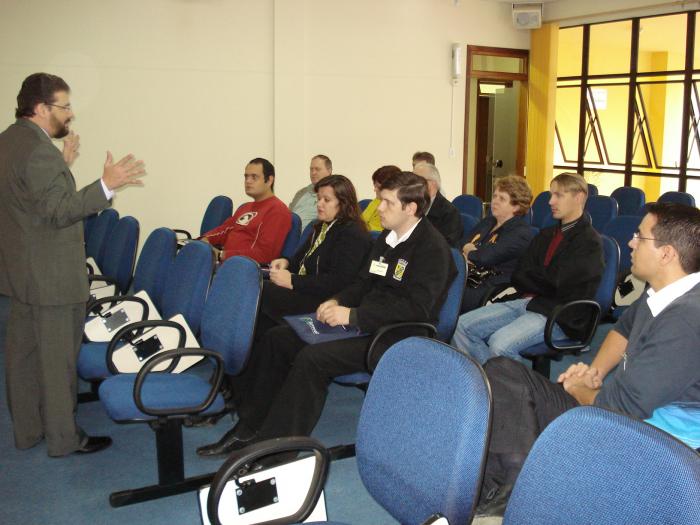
378, 268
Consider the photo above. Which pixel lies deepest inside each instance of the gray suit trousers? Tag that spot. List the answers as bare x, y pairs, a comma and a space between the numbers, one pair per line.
41, 350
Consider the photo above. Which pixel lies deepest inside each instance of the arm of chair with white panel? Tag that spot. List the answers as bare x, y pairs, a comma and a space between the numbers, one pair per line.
288, 492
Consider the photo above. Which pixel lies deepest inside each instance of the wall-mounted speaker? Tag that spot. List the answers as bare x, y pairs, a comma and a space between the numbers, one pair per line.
527, 16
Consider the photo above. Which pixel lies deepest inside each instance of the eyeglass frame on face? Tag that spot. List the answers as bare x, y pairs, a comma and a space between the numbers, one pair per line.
637, 237
67, 107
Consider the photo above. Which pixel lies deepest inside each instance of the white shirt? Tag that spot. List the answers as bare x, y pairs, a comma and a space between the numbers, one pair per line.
657, 301
393, 240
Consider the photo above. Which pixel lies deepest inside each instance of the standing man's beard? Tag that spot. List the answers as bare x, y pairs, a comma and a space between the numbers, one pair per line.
60, 127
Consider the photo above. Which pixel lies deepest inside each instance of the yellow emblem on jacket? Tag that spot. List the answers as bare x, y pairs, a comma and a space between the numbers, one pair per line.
400, 269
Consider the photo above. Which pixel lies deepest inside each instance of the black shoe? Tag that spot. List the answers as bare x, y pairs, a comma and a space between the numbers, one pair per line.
94, 444
237, 438
495, 502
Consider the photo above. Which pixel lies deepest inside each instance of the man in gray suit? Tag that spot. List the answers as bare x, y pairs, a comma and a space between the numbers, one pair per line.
42, 264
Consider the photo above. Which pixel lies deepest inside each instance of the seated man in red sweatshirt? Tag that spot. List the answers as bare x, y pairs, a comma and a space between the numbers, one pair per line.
257, 229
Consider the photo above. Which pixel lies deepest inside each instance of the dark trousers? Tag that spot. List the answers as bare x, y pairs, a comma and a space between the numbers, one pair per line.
524, 403
41, 350
285, 384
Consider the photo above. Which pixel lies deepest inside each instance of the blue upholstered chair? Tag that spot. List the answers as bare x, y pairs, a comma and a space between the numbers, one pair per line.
622, 229
117, 264
541, 354
679, 197
306, 234
101, 227
164, 400
291, 242
184, 292
541, 212
88, 223
592, 465
421, 438
601, 210
592, 190
468, 223
363, 203
218, 210
469, 205
629, 199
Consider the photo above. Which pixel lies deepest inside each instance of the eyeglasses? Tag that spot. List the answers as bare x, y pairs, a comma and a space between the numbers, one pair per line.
67, 107
638, 237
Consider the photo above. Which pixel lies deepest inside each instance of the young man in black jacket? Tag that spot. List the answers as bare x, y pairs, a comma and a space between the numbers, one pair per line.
405, 279
563, 263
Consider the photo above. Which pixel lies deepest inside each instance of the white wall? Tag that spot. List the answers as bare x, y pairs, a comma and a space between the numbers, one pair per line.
198, 87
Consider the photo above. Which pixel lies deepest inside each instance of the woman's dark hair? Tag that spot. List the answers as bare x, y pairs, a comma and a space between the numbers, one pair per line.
36, 89
348, 209
383, 173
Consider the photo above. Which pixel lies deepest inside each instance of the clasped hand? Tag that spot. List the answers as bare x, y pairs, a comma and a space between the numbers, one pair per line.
333, 314
581, 374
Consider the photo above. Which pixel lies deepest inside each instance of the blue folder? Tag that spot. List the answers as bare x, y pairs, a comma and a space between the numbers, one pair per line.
313, 331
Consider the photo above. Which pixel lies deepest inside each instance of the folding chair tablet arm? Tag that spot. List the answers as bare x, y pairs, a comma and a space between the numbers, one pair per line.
174, 355
187, 234
239, 464
125, 333
370, 362
590, 328
92, 306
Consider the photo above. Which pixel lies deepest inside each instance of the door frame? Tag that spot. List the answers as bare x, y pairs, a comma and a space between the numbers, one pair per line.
471, 73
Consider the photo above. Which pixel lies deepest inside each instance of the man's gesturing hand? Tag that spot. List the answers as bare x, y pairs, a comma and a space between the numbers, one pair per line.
125, 172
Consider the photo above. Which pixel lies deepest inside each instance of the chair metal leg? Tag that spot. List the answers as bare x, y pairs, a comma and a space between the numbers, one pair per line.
171, 469
342, 451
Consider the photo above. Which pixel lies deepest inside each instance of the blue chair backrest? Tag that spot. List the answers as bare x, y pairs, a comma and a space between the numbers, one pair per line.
228, 319
449, 313
679, 197
606, 289
306, 234
120, 252
363, 203
592, 190
292, 240
156, 256
101, 228
423, 430
468, 224
220, 208
88, 223
602, 210
541, 212
621, 229
629, 199
187, 282
639, 475
469, 205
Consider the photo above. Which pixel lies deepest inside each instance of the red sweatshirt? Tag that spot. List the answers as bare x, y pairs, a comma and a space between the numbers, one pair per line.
256, 230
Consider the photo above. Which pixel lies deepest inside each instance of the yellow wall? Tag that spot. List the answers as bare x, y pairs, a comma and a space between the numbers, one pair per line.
541, 106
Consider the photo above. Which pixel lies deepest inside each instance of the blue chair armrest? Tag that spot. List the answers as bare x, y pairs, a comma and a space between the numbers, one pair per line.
187, 234
134, 330
239, 464
174, 356
589, 330
372, 349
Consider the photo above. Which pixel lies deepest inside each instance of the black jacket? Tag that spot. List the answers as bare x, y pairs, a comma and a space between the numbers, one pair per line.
415, 293
335, 263
446, 219
573, 273
500, 250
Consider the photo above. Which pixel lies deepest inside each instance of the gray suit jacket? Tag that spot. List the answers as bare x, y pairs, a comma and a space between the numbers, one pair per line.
42, 251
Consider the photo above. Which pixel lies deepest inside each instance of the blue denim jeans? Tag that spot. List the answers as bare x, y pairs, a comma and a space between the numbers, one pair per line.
501, 329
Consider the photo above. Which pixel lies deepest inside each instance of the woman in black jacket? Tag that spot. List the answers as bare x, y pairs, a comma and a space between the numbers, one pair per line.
325, 264
497, 241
